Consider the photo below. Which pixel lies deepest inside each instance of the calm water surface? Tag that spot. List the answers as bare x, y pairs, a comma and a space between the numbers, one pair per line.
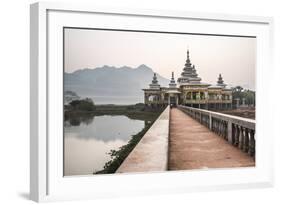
87, 141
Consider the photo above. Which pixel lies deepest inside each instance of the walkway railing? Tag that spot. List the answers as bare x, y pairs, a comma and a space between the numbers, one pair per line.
238, 131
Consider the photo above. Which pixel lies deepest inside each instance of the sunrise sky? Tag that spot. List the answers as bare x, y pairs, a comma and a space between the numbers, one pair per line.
233, 57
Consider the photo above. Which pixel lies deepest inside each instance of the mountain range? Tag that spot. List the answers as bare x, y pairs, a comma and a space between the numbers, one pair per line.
109, 82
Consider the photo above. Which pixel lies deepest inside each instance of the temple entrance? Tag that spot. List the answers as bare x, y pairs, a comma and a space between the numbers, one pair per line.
173, 100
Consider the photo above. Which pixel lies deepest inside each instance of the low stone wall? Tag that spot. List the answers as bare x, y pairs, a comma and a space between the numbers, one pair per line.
238, 131
151, 153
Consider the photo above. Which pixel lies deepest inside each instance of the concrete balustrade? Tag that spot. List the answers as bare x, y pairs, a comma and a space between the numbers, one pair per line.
238, 131
151, 153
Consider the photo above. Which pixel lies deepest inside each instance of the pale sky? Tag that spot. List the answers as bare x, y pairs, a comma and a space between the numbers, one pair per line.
233, 57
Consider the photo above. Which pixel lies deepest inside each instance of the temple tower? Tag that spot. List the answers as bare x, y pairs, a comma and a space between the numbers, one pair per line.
154, 84
189, 74
220, 81
172, 83
152, 95
172, 92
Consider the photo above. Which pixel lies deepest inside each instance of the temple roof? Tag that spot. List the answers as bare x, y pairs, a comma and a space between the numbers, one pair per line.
220, 85
215, 87
189, 74
228, 88
189, 77
173, 91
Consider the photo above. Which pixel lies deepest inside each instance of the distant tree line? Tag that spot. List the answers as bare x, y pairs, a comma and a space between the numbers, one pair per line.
240, 93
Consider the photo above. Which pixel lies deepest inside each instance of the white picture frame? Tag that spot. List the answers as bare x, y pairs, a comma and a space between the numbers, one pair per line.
46, 181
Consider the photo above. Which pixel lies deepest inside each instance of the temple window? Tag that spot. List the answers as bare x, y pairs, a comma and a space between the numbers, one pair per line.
193, 96
188, 96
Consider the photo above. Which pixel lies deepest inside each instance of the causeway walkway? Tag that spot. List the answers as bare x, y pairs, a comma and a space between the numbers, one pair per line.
193, 146
151, 153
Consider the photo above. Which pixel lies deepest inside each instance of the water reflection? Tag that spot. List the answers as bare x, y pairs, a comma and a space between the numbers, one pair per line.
77, 120
88, 139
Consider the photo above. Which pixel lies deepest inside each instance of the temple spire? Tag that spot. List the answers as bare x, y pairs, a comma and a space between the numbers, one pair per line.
189, 74
154, 80
187, 62
172, 83
220, 81
154, 84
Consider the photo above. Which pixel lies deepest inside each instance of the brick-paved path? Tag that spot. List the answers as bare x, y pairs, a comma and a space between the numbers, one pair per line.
193, 146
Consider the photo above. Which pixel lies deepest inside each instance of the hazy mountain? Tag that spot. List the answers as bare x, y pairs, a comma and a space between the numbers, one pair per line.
108, 82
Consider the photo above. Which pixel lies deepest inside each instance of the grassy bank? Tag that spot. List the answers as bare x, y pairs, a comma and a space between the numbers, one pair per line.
132, 111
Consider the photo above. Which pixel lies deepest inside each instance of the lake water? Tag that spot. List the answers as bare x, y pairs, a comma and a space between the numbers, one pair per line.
87, 140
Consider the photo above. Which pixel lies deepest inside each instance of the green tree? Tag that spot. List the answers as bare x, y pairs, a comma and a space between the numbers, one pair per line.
250, 96
240, 93
86, 104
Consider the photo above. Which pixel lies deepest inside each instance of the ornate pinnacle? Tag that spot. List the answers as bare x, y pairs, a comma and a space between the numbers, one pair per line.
172, 81
220, 80
154, 81
187, 62
154, 84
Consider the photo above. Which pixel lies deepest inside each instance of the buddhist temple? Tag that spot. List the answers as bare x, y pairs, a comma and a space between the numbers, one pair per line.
189, 91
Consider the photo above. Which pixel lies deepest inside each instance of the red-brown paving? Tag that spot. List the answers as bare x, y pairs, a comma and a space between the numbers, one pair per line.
193, 146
